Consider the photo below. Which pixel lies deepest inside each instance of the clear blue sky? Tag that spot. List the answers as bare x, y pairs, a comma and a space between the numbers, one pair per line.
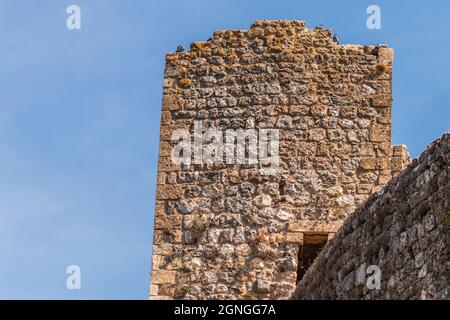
79, 122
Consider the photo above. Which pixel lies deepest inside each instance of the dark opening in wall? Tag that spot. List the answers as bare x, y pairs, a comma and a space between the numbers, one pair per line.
308, 251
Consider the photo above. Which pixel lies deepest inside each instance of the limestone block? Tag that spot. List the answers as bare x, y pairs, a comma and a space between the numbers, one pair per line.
163, 277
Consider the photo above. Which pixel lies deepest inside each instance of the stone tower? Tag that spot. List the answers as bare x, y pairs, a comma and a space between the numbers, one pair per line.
228, 229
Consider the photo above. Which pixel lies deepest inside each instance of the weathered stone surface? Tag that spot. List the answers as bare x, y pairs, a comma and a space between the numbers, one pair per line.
332, 106
404, 230
161, 277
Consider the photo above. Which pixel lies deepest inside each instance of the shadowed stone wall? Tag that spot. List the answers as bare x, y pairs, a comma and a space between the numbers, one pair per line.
404, 230
229, 231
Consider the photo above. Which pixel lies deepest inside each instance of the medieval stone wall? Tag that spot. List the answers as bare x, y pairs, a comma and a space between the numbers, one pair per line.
404, 230
229, 230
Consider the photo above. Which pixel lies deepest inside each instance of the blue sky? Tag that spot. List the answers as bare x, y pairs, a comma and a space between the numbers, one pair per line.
79, 122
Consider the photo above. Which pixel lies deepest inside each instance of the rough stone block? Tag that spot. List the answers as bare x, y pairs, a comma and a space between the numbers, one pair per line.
163, 277
171, 103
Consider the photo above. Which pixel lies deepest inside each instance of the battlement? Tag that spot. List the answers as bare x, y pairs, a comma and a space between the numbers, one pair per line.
279, 36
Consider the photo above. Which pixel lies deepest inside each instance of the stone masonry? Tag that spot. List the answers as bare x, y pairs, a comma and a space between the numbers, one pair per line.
404, 230
227, 231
